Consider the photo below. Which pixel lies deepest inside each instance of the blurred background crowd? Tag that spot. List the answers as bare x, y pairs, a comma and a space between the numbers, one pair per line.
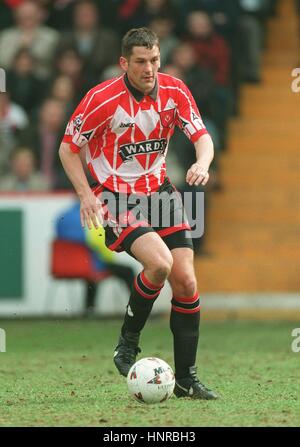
53, 52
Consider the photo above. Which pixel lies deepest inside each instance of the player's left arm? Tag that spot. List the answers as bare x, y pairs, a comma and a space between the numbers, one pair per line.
190, 122
198, 173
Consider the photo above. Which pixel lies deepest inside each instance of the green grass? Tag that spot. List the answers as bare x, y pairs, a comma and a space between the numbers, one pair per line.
60, 373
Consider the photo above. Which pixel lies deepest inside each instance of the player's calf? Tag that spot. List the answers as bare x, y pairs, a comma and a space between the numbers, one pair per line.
141, 301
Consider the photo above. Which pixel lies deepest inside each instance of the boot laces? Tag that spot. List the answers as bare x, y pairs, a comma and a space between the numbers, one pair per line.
194, 377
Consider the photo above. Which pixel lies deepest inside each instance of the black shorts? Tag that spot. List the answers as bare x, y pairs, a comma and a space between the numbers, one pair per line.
127, 217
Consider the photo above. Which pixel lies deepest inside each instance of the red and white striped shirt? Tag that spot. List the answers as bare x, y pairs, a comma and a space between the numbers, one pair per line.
126, 134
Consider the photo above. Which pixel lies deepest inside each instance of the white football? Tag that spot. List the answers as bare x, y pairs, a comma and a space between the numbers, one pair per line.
151, 380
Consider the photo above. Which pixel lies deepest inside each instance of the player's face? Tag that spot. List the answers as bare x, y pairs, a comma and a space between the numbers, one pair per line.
142, 67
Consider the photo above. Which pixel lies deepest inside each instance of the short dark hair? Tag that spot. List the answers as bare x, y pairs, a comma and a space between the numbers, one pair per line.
138, 37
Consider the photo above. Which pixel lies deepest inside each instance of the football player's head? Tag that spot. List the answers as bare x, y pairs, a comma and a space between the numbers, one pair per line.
141, 58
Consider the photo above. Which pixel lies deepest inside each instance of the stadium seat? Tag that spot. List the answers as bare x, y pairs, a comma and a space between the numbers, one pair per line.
72, 261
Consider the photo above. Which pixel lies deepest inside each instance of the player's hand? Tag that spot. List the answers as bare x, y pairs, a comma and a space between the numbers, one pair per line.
90, 211
197, 175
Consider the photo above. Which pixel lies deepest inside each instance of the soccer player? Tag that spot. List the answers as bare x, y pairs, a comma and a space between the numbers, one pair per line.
125, 125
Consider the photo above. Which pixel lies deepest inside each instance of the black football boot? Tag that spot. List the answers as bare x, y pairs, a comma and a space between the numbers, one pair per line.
191, 387
126, 352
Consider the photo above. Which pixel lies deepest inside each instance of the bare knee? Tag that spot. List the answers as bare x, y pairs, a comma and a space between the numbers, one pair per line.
155, 256
159, 269
185, 287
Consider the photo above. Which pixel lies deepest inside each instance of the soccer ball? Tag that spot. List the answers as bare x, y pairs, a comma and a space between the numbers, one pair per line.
150, 380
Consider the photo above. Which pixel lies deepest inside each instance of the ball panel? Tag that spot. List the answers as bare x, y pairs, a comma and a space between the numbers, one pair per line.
151, 380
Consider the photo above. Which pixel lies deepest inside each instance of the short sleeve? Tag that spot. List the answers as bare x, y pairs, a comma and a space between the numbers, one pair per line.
87, 119
188, 116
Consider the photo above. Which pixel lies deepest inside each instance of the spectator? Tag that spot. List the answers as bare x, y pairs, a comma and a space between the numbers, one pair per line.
69, 63
148, 10
22, 82
211, 49
174, 70
225, 17
44, 138
29, 33
252, 25
213, 54
112, 71
97, 46
125, 12
63, 90
13, 119
163, 27
23, 177
199, 80
59, 13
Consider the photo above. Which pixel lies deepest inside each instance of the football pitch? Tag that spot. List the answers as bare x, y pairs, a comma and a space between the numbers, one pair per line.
60, 373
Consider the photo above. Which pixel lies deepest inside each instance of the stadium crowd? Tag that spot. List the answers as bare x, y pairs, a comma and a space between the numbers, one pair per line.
54, 51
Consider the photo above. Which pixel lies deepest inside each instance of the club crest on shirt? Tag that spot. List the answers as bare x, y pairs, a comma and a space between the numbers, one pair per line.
167, 117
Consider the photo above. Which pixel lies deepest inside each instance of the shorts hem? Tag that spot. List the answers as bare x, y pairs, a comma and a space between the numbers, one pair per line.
167, 231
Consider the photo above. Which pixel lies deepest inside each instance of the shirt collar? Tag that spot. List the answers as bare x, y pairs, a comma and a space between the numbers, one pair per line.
139, 95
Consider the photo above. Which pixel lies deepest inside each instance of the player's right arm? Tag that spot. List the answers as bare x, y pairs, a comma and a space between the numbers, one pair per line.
87, 119
90, 207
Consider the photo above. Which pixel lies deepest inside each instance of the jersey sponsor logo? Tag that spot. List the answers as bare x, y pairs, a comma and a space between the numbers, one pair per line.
128, 151
122, 125
167, 117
